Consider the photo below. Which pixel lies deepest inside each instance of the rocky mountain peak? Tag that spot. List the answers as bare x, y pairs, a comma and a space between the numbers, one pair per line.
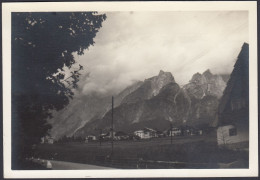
207, 74
198, 79
150, 87
206, 84
166, 75
161, 72
160, 81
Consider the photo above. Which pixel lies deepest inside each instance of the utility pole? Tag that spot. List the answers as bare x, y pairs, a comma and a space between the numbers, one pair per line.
100, 136
112, 130
171, 133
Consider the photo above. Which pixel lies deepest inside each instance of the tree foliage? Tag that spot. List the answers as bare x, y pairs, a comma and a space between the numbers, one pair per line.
42, 47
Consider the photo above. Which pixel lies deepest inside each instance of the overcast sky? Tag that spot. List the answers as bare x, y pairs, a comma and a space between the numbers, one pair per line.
137, 45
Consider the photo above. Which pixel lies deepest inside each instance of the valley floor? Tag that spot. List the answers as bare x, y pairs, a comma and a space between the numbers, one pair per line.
184, 152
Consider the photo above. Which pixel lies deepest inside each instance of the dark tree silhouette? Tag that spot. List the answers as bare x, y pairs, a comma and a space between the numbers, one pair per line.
42, 47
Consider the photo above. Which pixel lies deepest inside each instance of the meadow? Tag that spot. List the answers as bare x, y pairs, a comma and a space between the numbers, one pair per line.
183, 152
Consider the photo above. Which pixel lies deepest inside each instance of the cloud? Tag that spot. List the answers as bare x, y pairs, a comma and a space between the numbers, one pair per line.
134, 46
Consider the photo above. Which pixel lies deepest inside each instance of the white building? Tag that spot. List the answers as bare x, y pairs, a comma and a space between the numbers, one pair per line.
90, 138
230, 134
140, 133
175, 132
47, 139
146, 133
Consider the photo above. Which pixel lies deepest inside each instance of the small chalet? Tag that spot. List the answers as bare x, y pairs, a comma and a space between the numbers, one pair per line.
175, 132
187, 130
230, 134
146, 133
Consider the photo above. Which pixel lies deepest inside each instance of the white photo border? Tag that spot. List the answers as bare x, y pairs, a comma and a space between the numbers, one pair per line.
250, 6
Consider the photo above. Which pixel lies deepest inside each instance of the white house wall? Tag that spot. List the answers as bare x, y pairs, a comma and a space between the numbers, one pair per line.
224, 138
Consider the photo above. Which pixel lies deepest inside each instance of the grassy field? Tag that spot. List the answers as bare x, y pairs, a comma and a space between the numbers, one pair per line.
188, 152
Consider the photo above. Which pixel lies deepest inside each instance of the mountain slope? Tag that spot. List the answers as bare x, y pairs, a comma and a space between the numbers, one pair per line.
84, 109
166, 103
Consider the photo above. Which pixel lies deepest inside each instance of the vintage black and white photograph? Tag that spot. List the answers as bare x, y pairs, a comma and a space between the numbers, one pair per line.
130, 89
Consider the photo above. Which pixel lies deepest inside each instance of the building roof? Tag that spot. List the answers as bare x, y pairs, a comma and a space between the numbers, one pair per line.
146, 129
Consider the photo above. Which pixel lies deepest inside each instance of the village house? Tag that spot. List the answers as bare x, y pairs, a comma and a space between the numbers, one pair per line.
110, 134
47, 139
199, 132
174, 132
139, 133
187, 130
194, 131
105, 136
90, 138
230, 134
50, 140
160, 134
183, 131
146, 133
120, 135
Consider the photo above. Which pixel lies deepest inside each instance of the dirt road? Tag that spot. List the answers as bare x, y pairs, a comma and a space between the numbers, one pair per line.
62, 165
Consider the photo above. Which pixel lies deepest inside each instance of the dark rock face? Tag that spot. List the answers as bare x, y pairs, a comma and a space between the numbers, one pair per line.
160, 101
225, 77
234, 105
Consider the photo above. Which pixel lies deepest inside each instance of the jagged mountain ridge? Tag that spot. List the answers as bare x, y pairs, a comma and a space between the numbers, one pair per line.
150, 87
206, 84
160, 100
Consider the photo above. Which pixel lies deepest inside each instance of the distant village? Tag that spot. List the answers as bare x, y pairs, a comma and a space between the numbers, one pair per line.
141, 134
